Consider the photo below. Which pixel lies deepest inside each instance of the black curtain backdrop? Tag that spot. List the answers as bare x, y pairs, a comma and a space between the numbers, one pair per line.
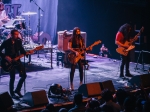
6, 1
101, 19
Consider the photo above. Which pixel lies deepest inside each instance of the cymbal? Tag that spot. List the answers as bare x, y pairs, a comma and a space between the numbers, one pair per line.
28, 13
18, 16
19, 19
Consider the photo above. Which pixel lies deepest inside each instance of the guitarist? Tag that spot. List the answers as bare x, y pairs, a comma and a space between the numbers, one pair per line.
124, 34
75, 44
13, 47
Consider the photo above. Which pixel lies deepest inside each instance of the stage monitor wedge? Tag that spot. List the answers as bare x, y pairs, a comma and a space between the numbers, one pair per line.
108, 85
36, 98
5, 102
139, 80
90, 89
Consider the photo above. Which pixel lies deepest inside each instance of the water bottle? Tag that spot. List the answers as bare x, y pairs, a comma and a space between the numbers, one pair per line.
47, 43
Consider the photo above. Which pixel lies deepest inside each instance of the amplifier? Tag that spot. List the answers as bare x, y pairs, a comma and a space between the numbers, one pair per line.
64, 37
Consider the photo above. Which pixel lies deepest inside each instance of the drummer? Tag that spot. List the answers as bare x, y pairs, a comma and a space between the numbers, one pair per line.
3, 17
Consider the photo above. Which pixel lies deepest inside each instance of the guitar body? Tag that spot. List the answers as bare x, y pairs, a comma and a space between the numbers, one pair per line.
6, 65
73, 59
124, 51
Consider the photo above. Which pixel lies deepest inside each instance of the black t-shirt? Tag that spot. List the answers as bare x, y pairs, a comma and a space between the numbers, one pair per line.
77, 42
12, 49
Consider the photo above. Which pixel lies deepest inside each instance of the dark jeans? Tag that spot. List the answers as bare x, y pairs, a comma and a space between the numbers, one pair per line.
20, 68
125, 61
73, 70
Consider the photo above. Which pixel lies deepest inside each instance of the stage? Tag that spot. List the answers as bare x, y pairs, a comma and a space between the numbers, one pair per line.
40, 74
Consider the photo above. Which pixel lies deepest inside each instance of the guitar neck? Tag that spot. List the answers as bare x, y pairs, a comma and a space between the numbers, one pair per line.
22, 55
91, 45
134, 39
18, 57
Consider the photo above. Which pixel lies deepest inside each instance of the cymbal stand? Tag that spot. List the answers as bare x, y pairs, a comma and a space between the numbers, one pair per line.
28, 34
39, 10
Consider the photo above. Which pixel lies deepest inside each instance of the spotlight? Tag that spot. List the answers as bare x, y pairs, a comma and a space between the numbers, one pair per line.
56, 91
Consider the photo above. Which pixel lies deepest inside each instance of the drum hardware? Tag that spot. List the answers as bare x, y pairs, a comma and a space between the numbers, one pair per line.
20, 19
39, 19
28, 31
28, 13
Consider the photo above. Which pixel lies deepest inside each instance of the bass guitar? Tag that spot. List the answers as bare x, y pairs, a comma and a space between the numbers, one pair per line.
73, 59
124, 51
8, 66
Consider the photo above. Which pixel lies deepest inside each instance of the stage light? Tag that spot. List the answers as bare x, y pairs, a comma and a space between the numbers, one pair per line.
55, 89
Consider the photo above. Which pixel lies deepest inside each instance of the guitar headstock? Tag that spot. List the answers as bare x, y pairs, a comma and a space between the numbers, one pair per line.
39, 47
142, 29
97, 42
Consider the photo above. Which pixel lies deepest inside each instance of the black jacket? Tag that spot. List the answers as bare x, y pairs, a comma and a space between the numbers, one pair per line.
7, 47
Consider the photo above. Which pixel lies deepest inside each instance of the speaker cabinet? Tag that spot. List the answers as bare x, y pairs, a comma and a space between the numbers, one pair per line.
141, 79
108, 85
5, 102
36, 98
64, 37
90, 90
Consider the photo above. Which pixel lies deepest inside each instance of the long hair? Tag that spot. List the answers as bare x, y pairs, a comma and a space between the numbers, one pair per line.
125, 30
74, 35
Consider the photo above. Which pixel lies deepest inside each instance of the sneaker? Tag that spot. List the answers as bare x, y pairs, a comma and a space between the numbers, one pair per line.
19, 94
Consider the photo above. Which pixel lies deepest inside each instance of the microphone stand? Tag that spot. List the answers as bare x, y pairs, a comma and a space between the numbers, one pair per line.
25, 80
39, 10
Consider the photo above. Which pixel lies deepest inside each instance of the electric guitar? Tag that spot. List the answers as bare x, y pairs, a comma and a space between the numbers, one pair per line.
73, 59
124, 51
8, 66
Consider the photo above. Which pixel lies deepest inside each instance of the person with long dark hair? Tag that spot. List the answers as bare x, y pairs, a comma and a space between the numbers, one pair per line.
76, 44
124, 34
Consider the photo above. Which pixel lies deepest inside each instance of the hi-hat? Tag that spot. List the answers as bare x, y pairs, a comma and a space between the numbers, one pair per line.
18, 16
28, 13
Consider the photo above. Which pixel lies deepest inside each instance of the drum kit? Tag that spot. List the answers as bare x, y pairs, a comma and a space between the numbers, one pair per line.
19, 24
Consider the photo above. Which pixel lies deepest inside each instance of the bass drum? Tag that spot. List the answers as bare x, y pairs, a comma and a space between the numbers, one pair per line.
43, 37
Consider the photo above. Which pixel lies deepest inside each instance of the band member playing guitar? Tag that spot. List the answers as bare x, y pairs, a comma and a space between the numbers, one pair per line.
12, 48
123, 36
75, 44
